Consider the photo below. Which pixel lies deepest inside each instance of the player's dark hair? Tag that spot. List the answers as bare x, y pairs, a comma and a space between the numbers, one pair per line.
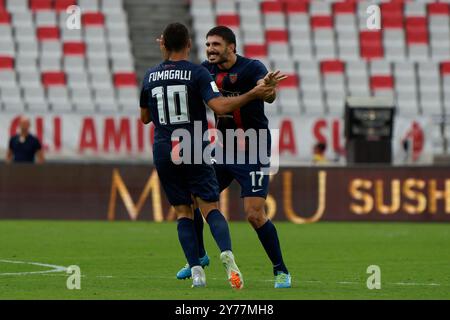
225, 33
176, 37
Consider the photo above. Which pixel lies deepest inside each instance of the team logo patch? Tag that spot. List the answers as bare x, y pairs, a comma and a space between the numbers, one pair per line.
233, 77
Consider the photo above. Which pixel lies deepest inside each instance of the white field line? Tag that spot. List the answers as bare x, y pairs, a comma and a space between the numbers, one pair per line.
56, 268
415, 284
53, 268
256, 280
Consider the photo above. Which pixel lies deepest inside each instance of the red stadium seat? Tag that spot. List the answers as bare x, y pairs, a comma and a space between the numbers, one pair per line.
6, 63
416, 24
48, 33
271, 7
5, 18
392, 15
371, 44
36, 5
125, 79
344, 8
229, 20
322, 22
391, 9
51, 79
419, 37
332, 66
93, 18
392, 23
62, 5
277, 36
372, 52
381, 82
74, 48
296, 7
445, 68
438, 8
255, 50
370, 36
292, 81
417, 30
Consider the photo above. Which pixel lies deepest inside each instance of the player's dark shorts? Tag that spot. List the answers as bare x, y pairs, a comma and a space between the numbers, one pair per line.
181, 181
253, 181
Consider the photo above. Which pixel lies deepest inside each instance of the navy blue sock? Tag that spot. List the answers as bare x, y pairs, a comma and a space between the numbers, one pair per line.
219, 229
268, 236
188, 241
198, 224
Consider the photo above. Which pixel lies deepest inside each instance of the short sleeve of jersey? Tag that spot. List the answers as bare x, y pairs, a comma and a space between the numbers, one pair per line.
207, 86
258, 71
11, 143
144, 93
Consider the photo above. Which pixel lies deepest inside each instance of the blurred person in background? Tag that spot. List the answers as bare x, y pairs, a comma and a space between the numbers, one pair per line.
24, 147
319, 153
413, 142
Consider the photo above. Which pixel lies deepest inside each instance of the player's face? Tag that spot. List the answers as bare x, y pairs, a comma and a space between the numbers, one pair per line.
24, 125
217, 50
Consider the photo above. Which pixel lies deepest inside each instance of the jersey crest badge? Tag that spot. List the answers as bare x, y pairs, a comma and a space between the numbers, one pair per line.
233, 77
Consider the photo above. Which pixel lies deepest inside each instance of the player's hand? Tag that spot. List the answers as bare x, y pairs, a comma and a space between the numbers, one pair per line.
262, 91
274, 78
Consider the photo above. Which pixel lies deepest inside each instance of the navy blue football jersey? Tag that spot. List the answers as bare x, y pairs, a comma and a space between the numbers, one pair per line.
239, 79
175, 92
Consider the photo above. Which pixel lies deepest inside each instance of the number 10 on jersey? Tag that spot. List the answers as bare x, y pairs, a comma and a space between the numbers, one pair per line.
177, 99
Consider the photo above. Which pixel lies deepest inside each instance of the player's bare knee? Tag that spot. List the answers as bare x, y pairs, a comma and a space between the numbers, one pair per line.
207, 207
256, 216
183, 211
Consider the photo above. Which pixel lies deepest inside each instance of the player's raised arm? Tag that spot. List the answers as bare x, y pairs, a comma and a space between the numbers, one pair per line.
265, 90
224, 105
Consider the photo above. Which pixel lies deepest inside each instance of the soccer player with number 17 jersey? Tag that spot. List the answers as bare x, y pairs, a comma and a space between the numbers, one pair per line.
173, 95
236, 75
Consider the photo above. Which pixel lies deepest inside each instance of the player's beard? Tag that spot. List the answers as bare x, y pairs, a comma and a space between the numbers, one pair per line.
220, 59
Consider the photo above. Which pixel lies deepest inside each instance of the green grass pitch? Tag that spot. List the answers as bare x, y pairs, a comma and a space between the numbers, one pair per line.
139, 260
